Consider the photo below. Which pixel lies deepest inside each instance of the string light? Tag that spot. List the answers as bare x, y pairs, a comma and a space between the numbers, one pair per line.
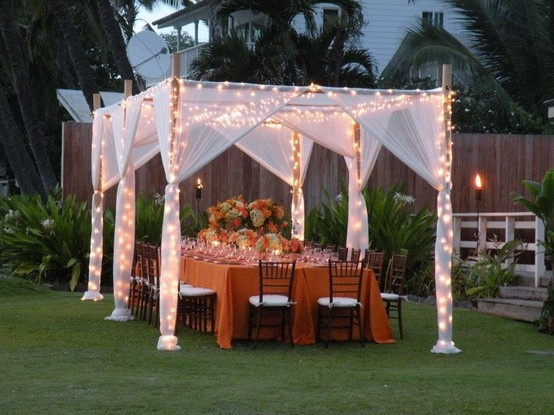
227, 107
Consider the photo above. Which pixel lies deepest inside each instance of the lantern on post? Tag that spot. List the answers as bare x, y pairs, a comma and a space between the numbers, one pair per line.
478, 196
199, 188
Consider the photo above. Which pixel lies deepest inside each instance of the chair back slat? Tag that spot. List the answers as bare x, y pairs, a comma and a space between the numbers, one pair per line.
149, 259
374, 261
355, 254
396, 274
345, 279
275, 278
342, 253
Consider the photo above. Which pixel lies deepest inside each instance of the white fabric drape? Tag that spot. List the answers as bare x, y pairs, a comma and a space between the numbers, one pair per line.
357, 235
412, 127
97, 209
270, 144
213, 116
201, 133
125, 122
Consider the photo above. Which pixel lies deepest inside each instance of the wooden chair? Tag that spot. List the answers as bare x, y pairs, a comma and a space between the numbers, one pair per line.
149, 257
135, 286
393, 292
196, 308
355, 254
271, 307
374, 261
332, 247
342, 253
342, 309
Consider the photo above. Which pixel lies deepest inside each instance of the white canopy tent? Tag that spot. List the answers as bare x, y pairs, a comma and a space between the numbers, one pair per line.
190, 123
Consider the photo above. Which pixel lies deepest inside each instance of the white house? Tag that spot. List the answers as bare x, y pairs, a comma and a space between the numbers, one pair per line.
385, 27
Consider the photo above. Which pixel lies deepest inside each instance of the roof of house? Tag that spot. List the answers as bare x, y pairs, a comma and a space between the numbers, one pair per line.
188, 15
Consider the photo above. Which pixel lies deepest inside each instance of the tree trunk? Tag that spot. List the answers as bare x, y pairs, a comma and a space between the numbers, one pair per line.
76, 51
20, 161
116, 42
24, 95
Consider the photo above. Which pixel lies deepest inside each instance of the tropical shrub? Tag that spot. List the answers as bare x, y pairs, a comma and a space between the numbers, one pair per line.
50, 241
392, 225
395, 227
493, 269
150, 215
541, 204
45, 241
328, 225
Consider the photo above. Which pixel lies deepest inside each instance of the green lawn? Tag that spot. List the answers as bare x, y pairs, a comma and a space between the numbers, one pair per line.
59, 356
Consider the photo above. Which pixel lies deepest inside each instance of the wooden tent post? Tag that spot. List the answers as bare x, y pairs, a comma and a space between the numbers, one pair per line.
127, 89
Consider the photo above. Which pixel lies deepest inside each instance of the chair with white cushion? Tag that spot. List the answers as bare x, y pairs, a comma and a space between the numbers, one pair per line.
271, 307
342, 308
393, 292
196, 308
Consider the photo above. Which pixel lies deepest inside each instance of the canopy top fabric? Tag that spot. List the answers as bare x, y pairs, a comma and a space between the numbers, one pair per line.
190, 123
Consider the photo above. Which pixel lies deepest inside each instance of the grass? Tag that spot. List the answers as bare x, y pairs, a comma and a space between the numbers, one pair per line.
59, 356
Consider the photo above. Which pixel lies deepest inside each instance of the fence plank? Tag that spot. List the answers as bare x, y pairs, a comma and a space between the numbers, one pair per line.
503, 161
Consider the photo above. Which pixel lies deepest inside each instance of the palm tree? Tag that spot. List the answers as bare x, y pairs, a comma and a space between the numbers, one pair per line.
512, 47
18, 157
115, 40
76, 50
21, 82
283, 56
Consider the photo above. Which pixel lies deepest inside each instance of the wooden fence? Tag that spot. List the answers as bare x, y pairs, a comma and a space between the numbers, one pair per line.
503, 161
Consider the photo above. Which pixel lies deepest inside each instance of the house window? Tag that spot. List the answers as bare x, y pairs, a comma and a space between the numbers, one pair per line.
434, 18
330, 16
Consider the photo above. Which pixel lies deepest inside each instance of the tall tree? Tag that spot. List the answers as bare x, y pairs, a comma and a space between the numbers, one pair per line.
116, 42
21, 82
18, 157
282, 55
511, 45
76, 51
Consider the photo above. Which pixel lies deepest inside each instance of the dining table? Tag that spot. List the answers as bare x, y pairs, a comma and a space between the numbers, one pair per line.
235, 282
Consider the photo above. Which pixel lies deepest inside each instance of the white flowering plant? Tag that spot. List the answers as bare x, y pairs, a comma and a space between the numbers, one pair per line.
45, 241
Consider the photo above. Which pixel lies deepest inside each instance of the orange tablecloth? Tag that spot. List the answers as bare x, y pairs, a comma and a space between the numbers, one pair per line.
235, 284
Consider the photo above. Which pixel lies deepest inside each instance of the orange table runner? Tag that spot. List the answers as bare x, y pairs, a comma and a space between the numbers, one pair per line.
235, 284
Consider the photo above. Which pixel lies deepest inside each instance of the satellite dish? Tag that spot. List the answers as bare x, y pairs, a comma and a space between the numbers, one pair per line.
148, 55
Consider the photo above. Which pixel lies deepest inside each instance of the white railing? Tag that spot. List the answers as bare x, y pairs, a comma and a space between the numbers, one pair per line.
185, 57
504, 226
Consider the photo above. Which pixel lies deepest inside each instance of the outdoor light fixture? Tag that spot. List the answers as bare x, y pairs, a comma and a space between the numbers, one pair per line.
478, 189
199, 188
478, 196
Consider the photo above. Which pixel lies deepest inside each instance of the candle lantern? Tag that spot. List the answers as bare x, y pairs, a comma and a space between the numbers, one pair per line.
478, 188
199, 188
478, 196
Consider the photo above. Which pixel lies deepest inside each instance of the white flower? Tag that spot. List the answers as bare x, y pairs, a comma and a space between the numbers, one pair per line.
257, 217
48, 224
159, 199
403, 199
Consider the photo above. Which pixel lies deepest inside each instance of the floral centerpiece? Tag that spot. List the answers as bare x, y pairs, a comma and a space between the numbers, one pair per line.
243, 238
293, 246
269, 242
229, 215
257, 225
266, 216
